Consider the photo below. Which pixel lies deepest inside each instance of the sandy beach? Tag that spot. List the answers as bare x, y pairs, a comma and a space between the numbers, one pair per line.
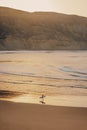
22, 116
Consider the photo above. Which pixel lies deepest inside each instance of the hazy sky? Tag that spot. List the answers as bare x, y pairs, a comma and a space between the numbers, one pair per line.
78, 7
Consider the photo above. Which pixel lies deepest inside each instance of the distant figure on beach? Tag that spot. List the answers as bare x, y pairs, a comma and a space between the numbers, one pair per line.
42, 99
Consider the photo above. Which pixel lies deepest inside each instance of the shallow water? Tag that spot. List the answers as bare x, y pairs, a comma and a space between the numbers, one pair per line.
60, 75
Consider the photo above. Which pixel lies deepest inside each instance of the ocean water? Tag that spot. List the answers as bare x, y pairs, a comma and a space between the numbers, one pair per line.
59, 75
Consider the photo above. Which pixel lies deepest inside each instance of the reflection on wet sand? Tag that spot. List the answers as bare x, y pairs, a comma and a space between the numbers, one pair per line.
42, 102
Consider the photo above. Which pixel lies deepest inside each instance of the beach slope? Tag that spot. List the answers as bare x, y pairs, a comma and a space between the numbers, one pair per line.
21, 116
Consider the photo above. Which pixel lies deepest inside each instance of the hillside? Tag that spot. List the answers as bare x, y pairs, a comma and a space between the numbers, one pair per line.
21, 30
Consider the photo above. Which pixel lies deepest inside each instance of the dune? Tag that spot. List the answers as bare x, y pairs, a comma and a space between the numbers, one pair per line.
22, 116
20, 30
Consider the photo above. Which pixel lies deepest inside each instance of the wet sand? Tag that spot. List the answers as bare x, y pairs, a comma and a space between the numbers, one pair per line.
22, 116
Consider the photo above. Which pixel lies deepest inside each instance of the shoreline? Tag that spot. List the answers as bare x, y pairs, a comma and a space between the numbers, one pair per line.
52, 100
25, 116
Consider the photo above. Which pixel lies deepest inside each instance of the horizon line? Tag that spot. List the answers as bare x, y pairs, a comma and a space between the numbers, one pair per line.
42, 11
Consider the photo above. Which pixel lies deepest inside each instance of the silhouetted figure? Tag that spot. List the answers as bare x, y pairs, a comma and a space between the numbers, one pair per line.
42, 99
